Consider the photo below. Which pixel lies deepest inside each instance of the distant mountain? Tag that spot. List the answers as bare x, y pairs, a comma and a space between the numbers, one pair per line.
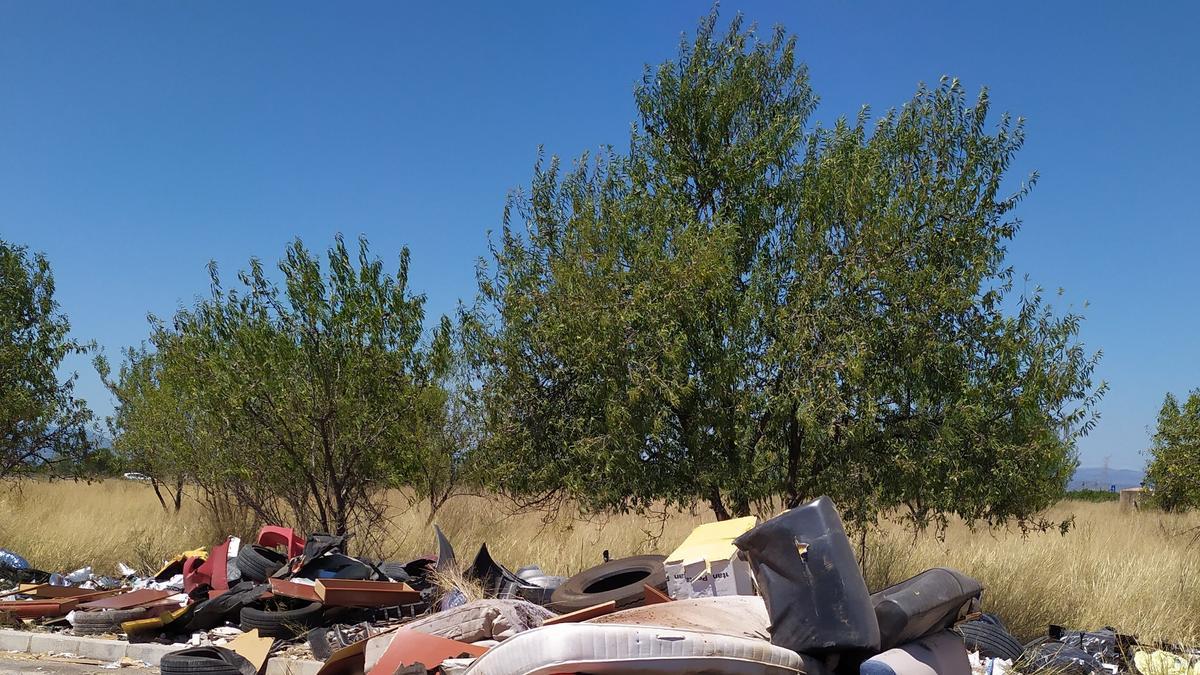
1100, 478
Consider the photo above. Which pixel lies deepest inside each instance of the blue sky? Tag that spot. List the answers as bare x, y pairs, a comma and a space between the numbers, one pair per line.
138, 140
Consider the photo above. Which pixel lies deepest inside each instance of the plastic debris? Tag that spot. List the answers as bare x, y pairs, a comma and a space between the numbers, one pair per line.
13, 560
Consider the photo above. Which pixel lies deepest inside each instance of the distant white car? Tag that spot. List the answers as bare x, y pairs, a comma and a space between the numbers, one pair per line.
133, 475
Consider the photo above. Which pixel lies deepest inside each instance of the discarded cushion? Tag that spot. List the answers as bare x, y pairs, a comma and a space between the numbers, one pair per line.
942, 653
928, 603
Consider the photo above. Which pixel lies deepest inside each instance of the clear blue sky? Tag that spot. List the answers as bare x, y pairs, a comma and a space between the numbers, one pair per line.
138, 140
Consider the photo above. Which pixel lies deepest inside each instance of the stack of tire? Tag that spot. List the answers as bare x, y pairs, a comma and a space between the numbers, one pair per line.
278, 617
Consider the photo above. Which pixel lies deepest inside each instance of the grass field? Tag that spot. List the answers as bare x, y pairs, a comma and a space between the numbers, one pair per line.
1138, 572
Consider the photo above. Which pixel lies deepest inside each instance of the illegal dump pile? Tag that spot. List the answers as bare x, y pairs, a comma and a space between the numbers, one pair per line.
783, 596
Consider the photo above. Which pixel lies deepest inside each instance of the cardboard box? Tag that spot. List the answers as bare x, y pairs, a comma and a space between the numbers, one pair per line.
707, 564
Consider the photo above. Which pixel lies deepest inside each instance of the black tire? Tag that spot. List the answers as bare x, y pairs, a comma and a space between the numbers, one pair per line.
105, 621
282, 623
258, 563
206, 660
989, 639
620, 581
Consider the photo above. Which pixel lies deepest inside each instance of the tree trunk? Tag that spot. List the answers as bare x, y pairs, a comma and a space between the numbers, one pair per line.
436, 502
717, 505
178, 494
741, 507
795, 444
158, 493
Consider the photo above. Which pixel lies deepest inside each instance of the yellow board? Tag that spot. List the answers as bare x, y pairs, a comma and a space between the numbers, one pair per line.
712, 541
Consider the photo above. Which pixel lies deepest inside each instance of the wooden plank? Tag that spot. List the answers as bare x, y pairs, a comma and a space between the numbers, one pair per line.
291, 589
46, 591
129, 600
36, 609
583, 614
357, 593
654, 596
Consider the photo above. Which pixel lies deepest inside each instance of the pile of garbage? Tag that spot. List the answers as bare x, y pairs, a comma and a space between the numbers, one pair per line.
784, 596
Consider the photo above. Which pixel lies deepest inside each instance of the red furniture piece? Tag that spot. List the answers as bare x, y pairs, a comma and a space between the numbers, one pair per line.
274, 536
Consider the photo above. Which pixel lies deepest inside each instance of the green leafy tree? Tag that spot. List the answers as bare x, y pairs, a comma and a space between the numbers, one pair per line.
42, 424
746, 306
1174, 470
153, 433
302, 401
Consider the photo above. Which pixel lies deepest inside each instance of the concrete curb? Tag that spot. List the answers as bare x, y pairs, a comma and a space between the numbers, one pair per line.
86, 647
113, 650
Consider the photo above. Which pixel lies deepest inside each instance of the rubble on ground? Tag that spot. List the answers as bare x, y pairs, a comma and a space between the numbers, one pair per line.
739, 596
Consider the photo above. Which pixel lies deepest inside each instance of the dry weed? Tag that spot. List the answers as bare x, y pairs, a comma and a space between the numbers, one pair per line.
1138, 572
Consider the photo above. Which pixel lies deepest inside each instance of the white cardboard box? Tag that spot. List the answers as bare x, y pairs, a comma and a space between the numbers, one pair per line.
707, 564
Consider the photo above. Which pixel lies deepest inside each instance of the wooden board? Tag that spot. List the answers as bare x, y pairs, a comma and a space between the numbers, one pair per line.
129, 600
291, 589
654, 596
357, 593
583, 614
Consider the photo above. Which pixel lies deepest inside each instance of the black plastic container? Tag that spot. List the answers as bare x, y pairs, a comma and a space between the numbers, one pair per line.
807, 574
930, 602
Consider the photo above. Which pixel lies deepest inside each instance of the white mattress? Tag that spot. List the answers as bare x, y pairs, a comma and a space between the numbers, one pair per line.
614, 648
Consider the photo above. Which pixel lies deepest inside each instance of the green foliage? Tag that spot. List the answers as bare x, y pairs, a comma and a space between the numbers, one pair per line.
1174, 470
301, 401
746, 306
43, 427
1097, 496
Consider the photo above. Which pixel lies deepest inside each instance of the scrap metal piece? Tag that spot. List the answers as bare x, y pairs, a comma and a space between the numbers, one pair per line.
409, 646
37, 609
445, 555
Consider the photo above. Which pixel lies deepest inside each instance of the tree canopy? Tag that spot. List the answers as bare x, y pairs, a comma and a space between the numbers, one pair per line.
746, 305
42, 423
1174, 470
301, 400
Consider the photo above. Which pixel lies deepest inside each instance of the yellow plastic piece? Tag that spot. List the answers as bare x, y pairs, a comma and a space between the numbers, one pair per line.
201, 553
1158, 662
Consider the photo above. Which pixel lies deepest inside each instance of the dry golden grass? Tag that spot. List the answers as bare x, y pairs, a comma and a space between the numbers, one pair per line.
1138, 572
